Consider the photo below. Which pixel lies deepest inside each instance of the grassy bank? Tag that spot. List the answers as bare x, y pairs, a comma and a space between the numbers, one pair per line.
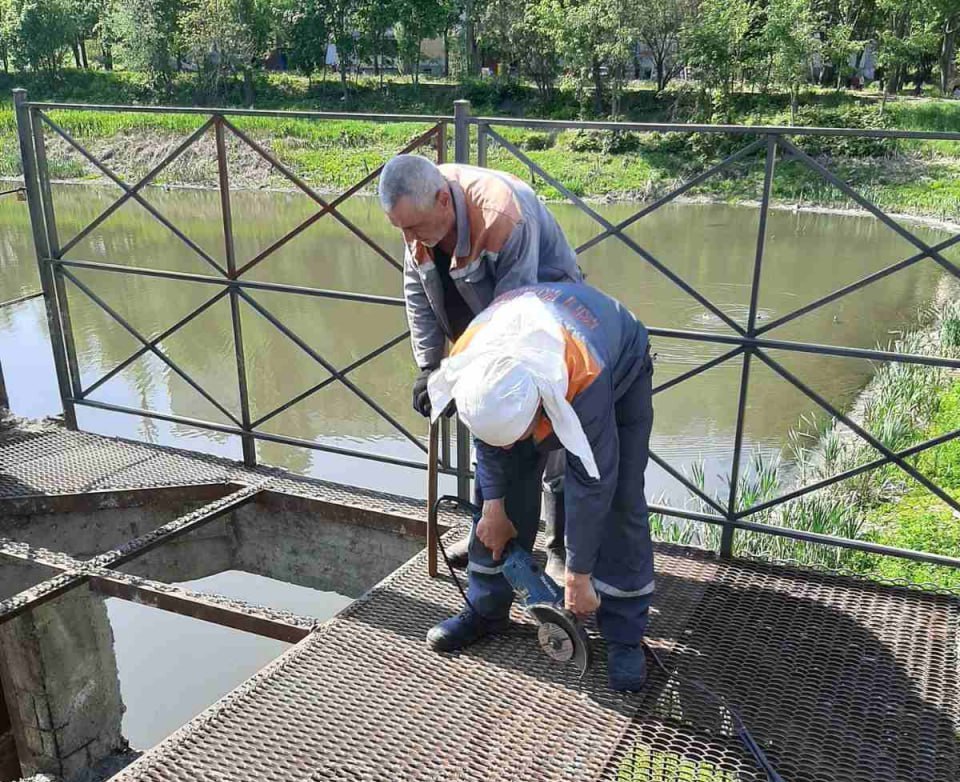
919, 178
904, 404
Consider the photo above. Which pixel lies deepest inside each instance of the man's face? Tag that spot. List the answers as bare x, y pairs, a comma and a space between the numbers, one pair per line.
427, 226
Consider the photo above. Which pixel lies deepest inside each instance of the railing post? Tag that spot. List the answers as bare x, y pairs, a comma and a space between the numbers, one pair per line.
248, 442
25, 134
726, 539
461, 146
482, 139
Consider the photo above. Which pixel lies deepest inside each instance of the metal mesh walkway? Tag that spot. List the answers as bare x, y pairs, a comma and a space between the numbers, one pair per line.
838, 678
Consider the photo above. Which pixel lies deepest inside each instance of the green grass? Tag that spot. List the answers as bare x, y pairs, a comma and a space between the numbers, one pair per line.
916, 177
647, 765
908, 404
919, 520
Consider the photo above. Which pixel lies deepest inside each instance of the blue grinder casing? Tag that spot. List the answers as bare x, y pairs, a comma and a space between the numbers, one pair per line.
561, 636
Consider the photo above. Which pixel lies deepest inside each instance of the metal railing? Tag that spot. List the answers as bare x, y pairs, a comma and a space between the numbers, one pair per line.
747, 343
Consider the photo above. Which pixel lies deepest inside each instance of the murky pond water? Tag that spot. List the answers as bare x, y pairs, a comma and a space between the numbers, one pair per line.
710, 246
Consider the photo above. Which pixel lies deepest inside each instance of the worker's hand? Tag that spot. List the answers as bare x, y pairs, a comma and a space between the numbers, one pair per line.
495, 529
580, 597
421, 399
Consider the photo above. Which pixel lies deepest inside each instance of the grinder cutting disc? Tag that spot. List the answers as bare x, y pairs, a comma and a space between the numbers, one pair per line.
561, 636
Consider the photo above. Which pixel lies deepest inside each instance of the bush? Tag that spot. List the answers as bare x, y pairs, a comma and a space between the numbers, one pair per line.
607, 142
850, 116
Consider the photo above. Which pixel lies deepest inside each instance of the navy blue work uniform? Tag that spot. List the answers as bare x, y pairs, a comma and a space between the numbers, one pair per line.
607, 529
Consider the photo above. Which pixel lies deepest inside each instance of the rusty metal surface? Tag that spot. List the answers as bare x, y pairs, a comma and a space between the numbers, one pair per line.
838, 678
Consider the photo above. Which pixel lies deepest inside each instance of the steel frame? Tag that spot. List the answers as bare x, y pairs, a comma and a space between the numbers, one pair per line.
749, 343
57, 270
746, 343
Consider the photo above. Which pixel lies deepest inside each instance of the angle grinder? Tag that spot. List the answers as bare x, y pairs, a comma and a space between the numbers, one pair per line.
561, 635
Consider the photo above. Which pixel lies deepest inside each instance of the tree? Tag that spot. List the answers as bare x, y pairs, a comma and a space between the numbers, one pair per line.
374, 18
342, 24
659, 25
907, 37
946, 23
149, 35
518, 34
790, 36
416, 21
716, 42
306, 34
226, 38
39, 33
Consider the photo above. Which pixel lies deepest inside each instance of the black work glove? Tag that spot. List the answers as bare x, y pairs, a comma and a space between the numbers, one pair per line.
421, 399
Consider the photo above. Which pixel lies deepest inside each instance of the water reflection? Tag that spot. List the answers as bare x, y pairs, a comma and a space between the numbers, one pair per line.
712, 247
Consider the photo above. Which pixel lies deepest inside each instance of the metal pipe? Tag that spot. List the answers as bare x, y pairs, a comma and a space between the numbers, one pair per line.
229, 112
153, 349
432, 494
266, 436
730, 130
805, 347
136, 196
482, 139
293, 337
20, 299
53, 243
461, 146
726, 536
461, 131
245, 284
582, 205
41, 245
248, 444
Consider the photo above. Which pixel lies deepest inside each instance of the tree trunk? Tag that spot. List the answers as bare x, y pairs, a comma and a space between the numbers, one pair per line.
948, 58
597, 89
794, 103
661, 74
76, 54
446, 54
249, 95
83, 54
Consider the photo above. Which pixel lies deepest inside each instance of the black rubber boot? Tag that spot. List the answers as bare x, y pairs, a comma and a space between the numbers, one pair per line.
457, 552
554, 521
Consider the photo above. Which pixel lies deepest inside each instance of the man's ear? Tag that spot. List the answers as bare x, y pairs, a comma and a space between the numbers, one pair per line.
443, 197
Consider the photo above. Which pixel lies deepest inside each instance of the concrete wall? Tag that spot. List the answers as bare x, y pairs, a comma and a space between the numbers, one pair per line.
57, 662
60, 680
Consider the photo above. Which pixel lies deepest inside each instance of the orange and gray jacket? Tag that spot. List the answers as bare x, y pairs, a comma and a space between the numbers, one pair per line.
506, 238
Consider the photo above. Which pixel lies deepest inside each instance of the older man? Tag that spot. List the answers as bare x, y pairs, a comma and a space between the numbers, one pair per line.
546, 366
471, 235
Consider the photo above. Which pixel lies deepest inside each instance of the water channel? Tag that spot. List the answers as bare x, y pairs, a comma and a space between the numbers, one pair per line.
711, 246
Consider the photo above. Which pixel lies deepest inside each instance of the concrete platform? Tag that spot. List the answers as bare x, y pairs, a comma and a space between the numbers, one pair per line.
838, 678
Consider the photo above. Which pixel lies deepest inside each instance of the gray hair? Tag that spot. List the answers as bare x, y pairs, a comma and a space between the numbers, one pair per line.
410, 176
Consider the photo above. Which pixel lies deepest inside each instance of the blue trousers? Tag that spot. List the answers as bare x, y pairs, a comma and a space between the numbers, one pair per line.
623, 576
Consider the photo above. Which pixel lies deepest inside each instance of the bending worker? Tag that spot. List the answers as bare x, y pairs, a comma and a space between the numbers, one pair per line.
471, 234
546, 366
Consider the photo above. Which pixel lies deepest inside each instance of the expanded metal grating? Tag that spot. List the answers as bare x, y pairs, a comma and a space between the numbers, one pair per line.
838, 678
